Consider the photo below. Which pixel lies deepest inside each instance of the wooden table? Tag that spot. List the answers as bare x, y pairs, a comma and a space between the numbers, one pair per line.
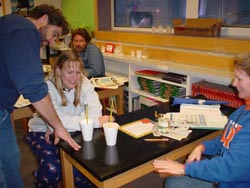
128, 176
130, 159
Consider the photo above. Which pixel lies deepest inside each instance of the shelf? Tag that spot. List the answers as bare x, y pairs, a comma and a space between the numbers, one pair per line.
184, 85
145, 94
194, 71
127, 65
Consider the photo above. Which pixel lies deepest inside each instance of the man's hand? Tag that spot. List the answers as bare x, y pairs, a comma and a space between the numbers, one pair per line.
47, 111
61, 132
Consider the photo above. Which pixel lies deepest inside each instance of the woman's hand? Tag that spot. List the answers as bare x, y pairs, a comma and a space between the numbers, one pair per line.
168, 166
105, 119
47, 135
196, 154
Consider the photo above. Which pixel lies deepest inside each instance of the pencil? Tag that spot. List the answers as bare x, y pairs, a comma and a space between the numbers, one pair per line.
156, 139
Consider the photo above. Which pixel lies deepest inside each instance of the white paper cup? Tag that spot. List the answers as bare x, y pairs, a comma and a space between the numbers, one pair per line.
110, 132
87, 129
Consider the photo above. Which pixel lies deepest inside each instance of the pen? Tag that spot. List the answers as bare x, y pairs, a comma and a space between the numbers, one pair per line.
156, 139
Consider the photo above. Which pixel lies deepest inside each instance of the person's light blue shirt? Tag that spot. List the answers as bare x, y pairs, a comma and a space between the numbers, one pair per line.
93, 61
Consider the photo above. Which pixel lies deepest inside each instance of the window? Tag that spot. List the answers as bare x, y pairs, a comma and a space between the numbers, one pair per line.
146, 13
235, 13
142, 15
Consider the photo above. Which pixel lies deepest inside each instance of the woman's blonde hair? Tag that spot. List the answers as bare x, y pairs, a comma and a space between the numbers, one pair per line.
72, 57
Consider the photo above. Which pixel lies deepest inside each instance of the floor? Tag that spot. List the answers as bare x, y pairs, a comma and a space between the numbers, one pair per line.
28, 165
28, 161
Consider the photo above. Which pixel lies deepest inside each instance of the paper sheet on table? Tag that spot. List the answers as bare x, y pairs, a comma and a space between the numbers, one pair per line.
138, 128
22, 102
177, 133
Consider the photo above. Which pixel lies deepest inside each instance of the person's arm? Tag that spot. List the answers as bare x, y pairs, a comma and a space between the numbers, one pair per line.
196, 154
25, 70
47, 111
168, 166
233, 161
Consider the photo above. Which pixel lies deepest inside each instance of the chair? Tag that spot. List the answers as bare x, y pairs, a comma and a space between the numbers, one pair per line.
22, 113
117, 93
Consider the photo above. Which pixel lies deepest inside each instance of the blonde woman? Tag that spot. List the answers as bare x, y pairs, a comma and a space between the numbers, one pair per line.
70, 91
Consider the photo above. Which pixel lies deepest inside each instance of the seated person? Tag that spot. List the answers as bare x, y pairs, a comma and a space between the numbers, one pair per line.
69, 91
229, 166
91, 55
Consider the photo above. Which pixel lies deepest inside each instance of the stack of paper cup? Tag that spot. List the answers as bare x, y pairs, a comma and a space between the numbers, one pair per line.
87, 127
110, 132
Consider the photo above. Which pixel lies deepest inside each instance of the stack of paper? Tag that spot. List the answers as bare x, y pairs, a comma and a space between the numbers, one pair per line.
177, 133
199, 117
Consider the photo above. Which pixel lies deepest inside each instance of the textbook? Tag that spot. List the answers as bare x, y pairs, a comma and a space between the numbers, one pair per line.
152, 73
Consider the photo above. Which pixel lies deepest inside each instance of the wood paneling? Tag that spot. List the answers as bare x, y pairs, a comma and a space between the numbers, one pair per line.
213, 44
214, 52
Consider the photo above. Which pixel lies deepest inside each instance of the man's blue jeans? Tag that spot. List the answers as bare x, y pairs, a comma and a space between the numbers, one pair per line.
10, 176
187, 182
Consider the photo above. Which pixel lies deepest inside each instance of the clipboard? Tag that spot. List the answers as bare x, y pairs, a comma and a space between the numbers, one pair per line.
138, 128
105, 82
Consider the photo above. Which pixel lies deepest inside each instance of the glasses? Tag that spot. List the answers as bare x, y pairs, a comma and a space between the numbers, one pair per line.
56, 34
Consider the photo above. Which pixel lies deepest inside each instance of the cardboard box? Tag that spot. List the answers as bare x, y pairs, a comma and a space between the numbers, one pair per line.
209, 27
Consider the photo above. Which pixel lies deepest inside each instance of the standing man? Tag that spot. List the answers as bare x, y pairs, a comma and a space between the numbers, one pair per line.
21, 73
91, 55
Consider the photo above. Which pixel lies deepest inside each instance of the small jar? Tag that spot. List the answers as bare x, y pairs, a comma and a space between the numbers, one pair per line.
163, 124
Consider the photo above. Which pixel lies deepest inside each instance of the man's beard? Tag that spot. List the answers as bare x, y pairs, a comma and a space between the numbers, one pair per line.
79, 48
43, 32
44, 41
